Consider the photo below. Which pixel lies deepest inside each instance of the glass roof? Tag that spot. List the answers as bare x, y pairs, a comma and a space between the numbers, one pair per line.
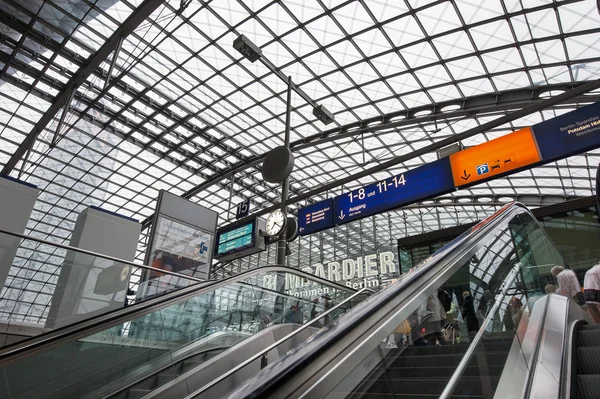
182, 110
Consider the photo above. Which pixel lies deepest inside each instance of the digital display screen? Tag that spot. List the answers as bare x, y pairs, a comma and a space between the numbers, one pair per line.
429, 180
315, 217
235, 239
569, 134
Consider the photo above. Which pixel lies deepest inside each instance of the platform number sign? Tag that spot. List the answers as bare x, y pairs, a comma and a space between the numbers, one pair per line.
243, 208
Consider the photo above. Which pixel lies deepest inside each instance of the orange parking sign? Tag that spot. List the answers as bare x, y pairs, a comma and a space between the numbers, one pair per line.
495, 157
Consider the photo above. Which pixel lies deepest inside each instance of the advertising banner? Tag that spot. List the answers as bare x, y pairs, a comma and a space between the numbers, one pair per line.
179, 247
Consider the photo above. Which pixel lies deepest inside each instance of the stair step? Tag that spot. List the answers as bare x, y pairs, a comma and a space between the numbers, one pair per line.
588, 360
493, 359
588, 386
590, 327
440, 371
427, 386
588, 338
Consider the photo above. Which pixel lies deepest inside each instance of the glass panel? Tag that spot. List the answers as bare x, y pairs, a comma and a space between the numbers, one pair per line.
176, 338
491, 292
70, 286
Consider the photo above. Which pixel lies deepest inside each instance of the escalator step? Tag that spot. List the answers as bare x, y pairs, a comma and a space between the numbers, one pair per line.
590, 327
588, 386
588, 360
588, 338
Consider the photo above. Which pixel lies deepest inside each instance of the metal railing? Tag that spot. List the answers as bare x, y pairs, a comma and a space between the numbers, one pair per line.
272, 346
464, 362
101, 322
91, 253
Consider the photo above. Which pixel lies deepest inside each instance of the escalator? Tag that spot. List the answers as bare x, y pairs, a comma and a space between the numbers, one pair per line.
131, 352
469, 322
587, 362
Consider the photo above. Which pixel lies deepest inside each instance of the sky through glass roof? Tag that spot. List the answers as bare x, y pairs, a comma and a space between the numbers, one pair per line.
183, 111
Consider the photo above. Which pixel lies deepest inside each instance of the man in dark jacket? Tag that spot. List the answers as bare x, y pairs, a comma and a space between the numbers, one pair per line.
468, 314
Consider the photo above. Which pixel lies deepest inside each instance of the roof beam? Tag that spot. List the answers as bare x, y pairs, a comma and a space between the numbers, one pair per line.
509, 117
88, 67
488, 103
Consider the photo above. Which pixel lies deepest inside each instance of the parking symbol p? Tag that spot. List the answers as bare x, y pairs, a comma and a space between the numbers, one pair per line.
482, 169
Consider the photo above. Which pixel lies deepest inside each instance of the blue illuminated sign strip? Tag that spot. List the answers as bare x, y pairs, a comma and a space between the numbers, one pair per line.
315, 217
429, 180
569, 134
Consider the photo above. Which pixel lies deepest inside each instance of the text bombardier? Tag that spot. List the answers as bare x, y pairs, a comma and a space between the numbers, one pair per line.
355, 273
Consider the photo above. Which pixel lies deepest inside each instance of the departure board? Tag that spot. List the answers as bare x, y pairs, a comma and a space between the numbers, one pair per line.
235, 239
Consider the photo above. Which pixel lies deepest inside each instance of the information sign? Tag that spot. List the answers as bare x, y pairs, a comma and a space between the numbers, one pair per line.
429, 180
242, 209
315, 217
235, 239
569, 134
498, 156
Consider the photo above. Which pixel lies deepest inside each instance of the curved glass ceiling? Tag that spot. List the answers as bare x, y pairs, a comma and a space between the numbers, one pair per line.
184, 111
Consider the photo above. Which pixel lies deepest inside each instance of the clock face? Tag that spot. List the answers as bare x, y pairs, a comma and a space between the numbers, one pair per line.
275, 223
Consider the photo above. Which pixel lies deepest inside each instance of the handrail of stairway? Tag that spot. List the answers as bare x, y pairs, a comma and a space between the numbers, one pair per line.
98, 323
275, 378
271, 347
464, 362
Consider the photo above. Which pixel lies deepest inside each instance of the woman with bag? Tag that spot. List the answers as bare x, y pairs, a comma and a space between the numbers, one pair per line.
400, 331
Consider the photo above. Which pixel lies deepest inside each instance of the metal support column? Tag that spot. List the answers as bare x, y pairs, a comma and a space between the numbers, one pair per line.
285, 187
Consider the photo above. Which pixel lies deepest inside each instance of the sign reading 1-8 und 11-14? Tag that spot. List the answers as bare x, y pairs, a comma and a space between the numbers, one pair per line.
560, 137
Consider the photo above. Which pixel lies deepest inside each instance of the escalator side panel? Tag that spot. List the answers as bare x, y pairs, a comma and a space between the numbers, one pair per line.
513, 381
549, 380
197, 377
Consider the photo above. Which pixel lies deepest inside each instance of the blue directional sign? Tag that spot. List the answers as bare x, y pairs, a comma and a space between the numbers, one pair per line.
357, 204
429, 180
569, 134
315, 217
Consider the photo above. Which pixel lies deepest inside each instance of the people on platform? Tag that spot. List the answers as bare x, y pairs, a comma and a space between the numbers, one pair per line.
468, 313
507, 319
265, 320
591, 292
327, 304
516, 311
294, 315
437, 318
568, 284
550, 289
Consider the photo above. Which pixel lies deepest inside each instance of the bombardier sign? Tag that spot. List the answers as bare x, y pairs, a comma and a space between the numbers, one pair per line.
353, 272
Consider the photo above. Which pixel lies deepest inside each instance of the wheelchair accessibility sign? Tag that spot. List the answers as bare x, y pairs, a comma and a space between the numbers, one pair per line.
482, 169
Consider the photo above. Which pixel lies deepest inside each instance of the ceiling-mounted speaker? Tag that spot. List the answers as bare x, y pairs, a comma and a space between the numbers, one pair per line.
278, 164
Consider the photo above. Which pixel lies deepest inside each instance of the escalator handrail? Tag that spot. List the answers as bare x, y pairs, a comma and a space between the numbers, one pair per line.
464, 362
274, 377
89, 326
272, 346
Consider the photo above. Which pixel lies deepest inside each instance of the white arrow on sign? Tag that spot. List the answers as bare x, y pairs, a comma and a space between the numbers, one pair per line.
301, 229
342, 216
